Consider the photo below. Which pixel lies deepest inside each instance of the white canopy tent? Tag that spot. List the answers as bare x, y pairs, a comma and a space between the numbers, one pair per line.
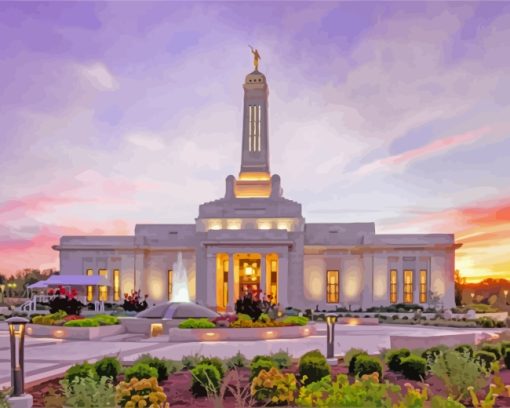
71, 280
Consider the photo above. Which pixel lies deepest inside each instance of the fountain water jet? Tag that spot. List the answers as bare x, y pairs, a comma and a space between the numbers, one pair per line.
180, 292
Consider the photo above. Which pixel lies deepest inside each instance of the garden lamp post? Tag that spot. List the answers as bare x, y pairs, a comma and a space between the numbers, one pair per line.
17, 330
330, 345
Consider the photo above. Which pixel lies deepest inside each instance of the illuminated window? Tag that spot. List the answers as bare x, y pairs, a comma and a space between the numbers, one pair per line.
393, 286
273, 284
333, 278
225, 282
90, 288
250, 121
116, 285
258, 128
254, 127
103, 290
408, 286
423, 286
170, 283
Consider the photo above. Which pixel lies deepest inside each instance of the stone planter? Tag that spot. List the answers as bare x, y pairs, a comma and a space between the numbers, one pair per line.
239, 334
74, 333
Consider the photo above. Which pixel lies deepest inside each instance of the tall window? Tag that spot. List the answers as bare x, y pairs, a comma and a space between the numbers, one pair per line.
423, 286
90, 288
103, 290
254, 127
332, 294
393, 285
258, 127
170, 277
273, 284
225, 282
408, 286
116, 285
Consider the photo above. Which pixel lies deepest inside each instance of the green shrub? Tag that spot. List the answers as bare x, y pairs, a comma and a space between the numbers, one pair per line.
367, 365
492, 348
432, 353
439, 401
82, 323
242, 316
414, 367
353, 358
485, 359
216, 362
105, 320
486, 322
465, 349
160, 365
139, 371
191, 361
264, 318
237, 361
506, 358
256, 366
196, 324
49, 319
84, 370
109, 367
282, 359
295, 320
314, 366
393, 358
350, 354
205, 380
88, 392
457, 372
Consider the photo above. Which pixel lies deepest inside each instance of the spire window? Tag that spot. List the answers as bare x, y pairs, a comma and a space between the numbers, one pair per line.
254, 128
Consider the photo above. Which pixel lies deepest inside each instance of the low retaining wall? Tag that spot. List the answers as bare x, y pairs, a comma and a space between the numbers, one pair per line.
238, 334
142, 325
355, 321
449, 340
74, 333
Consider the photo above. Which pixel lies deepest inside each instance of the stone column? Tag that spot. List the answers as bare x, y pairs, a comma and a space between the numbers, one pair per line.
231, 292
283, 273
263, 273
211, 279
416, 283
139, 281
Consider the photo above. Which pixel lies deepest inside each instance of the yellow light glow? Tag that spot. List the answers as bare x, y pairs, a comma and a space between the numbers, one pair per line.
210, 336
264, 225
352, 322
284, 225
215, 225
254, 176
58, 333
234, 224
156, 287
29, 330
156, 329
306, 331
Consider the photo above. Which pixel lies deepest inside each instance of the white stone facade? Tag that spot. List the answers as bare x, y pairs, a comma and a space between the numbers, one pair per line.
255, 239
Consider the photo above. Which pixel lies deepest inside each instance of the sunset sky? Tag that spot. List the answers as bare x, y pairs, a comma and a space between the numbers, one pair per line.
113, 114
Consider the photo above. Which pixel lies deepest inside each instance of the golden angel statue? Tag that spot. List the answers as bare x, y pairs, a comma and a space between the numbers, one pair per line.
256, 57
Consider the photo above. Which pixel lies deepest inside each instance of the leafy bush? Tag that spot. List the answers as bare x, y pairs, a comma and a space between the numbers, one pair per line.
264, 318
368, 392
256, 366
84, 370
466, 349
140, 371
313, 366
414, 367
88, 392
236, 361
216, 362
49, 319
350, 354
367, 365
140, 393
191, 361
282, 359
486, 322
353, 358
503, 345
160, 365
82, 323
438, 401
196, 324
485, 359
457, 372
273, 387
295, 320
109, 367
492, 348
243, 316
394, 357
105, 320
206, 380
70, 306
506, 358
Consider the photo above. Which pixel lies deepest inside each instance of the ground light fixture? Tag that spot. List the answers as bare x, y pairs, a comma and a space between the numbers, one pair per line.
330, 337
17, 326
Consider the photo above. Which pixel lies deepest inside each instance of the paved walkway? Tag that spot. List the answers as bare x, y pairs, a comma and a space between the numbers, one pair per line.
45, 358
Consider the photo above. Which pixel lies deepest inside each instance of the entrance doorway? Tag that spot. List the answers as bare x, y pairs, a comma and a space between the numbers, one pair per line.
249, 276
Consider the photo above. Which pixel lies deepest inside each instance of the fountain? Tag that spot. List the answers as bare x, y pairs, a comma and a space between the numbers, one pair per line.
180, 292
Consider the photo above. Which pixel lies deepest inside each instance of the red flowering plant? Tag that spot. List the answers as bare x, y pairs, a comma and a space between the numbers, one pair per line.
51, 292
224, 320
66, 301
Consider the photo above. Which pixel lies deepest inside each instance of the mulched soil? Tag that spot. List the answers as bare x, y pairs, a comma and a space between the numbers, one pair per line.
177, 388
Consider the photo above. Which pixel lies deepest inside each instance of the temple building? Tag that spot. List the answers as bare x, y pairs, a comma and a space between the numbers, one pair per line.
254, 239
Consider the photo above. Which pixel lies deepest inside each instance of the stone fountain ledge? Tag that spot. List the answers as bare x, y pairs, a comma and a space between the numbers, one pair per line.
176, 335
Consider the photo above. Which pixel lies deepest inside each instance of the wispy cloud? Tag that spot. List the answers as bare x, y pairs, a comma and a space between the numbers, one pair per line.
99, 76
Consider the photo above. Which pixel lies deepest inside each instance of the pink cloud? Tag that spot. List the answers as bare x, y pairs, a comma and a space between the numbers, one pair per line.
437, 146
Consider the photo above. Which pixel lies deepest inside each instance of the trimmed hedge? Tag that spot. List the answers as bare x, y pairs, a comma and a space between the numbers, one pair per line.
205, 377
492, 348
414, 367
161, 366
108, 367
465, 349
139, 371
485, 358
394, 357
367, 365
196, 324
314, 366
352, 362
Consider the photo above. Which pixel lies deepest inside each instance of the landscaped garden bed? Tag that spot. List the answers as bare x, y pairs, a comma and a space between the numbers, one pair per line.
439, 377
63, 326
